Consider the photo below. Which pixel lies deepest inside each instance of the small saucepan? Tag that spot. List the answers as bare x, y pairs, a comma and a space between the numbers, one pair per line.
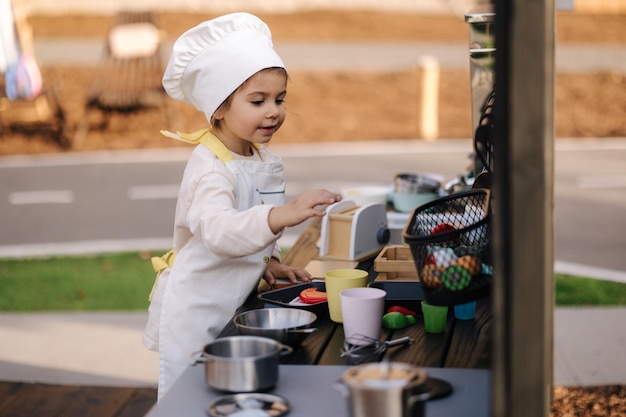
390, 389
243, 363
285, 325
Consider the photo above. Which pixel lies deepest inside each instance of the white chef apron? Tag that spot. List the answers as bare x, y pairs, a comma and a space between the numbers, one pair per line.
201, 291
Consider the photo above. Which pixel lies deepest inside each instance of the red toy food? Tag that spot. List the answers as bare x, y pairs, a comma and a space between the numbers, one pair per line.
312, 295
442, 228
445, 228
399, 309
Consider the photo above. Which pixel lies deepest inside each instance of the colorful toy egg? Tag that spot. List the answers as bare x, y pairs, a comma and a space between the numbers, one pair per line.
466, 250
471, 263
431, 275
444, 257
456, 278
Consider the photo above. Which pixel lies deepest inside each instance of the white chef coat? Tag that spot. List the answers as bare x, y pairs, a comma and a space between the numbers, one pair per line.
222, 242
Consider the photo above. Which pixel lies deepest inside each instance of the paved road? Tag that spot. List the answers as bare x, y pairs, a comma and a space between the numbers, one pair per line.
125, 200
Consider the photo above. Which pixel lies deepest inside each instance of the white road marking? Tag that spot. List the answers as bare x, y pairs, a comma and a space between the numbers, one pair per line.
41, 197
153, 192
608, 181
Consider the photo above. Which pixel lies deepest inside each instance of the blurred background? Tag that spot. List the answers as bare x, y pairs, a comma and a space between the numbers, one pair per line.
84, 171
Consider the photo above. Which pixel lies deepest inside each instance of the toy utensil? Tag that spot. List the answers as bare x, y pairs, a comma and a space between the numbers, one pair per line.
372, 351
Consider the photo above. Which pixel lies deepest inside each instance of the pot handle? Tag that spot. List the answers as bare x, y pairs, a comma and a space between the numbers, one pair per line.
340, 385
198, 357
285, 350
307, 330
417, 398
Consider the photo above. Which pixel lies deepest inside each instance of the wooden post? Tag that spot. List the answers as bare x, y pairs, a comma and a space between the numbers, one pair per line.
429, 97
523, 233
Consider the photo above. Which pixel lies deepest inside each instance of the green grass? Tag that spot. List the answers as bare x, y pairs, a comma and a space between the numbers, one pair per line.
123, 282
103, 282
590, 292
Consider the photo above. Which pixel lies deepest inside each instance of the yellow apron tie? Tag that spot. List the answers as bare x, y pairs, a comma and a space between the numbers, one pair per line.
159, 263
208, 139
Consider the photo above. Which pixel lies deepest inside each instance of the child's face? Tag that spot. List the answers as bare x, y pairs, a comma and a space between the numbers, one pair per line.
255, 112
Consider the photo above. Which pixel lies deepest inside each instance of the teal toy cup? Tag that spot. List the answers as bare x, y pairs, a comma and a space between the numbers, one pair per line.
465, 311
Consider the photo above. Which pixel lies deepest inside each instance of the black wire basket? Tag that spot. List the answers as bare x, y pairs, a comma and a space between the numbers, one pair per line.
450, 239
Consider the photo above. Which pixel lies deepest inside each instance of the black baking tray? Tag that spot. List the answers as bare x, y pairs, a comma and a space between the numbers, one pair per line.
407, 294
283, 296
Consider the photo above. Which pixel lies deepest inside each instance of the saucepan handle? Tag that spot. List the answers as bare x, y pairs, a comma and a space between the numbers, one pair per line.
198, 357
341, 386
285, 350
304, 331
417, 402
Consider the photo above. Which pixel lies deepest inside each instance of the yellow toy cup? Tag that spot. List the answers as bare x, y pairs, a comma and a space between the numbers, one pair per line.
338, 280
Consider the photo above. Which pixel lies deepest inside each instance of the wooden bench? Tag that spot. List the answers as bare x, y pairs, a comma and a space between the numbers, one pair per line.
128, 78
43, 114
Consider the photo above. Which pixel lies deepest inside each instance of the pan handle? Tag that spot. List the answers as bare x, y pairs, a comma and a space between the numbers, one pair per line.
305, 331
198, 357
285, 350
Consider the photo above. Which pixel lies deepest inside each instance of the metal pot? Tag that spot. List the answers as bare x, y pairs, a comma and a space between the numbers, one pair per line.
285, 325
409, 183
390, 389
243, 363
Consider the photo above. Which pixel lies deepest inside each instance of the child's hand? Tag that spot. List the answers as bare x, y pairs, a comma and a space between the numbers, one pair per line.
301, 208
275, 270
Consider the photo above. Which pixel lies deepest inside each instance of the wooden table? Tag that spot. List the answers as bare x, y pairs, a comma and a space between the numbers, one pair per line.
461, 356
465, 344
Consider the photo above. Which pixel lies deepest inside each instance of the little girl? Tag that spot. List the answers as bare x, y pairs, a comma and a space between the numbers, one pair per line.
230, 210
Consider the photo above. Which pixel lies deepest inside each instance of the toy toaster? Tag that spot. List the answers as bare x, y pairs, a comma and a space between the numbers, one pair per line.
352, 232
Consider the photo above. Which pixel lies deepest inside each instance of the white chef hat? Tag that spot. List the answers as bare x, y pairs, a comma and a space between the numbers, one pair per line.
211, 60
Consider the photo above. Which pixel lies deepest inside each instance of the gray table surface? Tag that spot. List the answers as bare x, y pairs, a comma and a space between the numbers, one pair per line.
311, 393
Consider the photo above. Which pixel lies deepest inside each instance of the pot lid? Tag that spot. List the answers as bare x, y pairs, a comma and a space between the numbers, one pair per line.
384, 375
248, 405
